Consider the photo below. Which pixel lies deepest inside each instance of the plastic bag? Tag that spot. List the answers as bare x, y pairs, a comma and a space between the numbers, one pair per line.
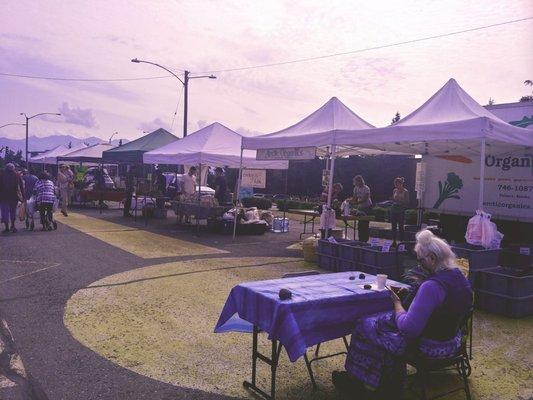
345, 208
327, 219
56, 205
30, 206
22, 211
481, 231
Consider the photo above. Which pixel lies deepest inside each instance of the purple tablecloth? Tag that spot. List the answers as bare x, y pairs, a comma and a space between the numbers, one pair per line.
323, 307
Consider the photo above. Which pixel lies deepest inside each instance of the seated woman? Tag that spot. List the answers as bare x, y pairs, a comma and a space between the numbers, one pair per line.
430, 326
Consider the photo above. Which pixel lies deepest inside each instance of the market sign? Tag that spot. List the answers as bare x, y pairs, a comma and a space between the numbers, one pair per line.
288, 153
452, 185
255, 178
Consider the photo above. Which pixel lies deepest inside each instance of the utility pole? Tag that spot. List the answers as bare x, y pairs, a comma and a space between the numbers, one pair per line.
185, 101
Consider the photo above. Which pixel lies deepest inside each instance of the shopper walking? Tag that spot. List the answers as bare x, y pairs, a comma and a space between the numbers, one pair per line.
45, 198
11, 192
65, 178
130, 188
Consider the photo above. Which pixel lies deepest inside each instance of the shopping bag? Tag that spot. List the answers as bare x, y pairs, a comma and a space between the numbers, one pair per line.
474, 229
56, 205
327, 219
30, 206
22, 211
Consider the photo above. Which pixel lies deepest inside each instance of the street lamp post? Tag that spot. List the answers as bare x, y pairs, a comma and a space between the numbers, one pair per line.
27, 120
185, 83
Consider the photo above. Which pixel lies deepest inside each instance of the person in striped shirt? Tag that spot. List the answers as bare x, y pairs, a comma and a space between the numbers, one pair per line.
45, 199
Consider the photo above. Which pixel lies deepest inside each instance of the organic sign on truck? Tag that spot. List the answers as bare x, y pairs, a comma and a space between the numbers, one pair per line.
452, 185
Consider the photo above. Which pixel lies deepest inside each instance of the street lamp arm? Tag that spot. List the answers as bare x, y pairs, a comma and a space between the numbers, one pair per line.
203, 76
135, 60
36, 115
12, 124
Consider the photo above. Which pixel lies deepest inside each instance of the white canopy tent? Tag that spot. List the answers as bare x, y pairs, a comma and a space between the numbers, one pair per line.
90, 155
451, 122
214, 145
318, 130
50, 156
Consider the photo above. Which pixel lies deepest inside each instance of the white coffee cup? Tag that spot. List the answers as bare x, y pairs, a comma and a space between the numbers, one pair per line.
381, 281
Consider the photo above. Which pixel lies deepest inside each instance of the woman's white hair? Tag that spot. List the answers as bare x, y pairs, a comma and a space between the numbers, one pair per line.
427, 243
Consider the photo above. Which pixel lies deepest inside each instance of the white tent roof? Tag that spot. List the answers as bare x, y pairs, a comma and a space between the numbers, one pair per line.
450, 122
317, 129
87, 155
214, 145
50, 156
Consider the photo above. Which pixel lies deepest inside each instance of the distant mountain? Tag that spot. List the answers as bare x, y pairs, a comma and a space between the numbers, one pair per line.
49, 142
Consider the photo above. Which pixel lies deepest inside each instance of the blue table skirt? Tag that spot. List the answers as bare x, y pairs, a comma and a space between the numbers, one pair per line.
323, 307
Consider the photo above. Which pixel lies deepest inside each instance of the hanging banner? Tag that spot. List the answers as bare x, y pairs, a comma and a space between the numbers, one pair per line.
289, 153
255, 178
452, 185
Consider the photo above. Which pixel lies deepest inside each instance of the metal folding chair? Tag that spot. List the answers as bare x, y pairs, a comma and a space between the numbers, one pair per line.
460, 362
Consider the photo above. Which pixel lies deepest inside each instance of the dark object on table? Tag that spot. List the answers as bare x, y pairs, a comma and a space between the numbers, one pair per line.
362, 276
285, 294
352, 278
367, 286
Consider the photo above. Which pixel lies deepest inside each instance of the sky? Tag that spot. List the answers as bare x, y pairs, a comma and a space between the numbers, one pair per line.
97, 39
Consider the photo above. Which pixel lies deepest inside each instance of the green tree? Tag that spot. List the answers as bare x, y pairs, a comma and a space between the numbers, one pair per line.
527, 82
396, 118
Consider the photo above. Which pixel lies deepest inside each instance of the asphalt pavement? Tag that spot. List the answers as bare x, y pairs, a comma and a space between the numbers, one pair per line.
40, 271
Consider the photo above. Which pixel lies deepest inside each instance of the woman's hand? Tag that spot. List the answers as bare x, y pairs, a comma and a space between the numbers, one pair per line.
398, 308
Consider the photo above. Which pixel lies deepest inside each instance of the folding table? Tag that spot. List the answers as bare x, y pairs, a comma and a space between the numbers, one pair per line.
322, 307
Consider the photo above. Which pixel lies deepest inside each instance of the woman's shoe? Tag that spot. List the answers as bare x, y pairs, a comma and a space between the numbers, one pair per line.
348, 385
13, 229
54, 223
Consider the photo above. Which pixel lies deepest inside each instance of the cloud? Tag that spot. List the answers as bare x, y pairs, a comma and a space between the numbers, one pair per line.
78, 116
247, 132
153, 125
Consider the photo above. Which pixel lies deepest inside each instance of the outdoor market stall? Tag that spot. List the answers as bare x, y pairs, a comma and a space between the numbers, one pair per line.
313, 136
213, 145
92, 156
132, 152
450, 123
50, 157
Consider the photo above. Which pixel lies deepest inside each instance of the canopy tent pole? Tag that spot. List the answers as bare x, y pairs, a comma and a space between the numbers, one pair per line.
237, 196
199, 195
482, 175
330, 181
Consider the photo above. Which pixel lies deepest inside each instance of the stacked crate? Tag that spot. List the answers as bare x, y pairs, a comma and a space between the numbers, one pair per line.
328, 253
502, 279
379, 260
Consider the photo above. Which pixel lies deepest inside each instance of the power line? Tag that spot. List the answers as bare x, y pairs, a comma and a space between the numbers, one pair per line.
279, 63
299, 60
50, 78
176, 111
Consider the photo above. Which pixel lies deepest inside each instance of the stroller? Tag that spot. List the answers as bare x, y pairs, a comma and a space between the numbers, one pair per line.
31, 208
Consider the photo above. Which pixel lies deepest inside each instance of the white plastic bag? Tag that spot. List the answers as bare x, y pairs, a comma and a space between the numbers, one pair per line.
345, 208
327, 219
481, 231
30, 206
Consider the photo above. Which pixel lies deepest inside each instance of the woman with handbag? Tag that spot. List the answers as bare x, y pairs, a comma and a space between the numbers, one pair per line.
11, 189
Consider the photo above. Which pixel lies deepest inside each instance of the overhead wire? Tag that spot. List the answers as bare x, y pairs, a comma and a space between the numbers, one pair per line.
176, 111
299, 60
306, 59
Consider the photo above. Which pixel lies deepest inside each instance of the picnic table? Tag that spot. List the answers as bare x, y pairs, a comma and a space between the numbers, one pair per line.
323, 307
310, 216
